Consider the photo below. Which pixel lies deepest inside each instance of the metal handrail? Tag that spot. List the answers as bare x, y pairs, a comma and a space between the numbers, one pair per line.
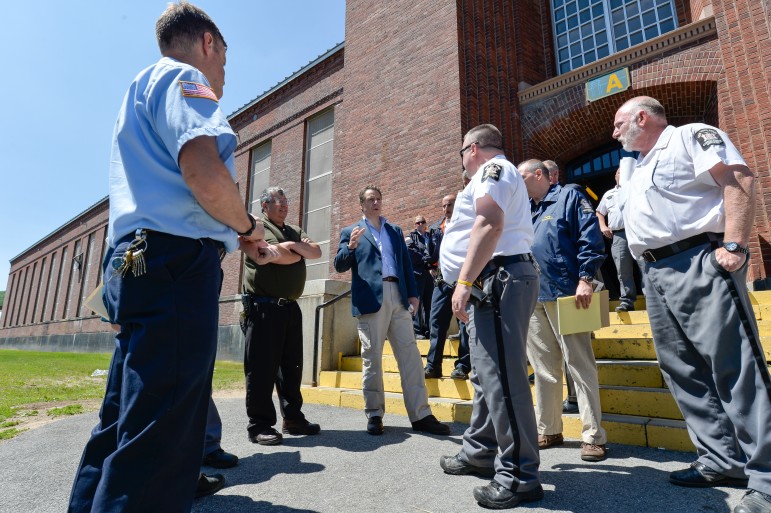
314, 382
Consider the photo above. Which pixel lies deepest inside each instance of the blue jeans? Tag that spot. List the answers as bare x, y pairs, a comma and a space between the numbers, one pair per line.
441, 315
146, 449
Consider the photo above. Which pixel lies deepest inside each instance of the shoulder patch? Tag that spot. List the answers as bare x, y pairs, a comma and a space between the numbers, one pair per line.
586, 207
493, 171
196, 90
707, 137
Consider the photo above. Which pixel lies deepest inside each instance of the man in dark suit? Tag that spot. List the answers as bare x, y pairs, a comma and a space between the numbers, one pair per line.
382, 289
421, 268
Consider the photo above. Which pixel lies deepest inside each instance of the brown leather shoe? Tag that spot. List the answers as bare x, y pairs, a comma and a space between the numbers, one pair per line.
593, 452
546, 441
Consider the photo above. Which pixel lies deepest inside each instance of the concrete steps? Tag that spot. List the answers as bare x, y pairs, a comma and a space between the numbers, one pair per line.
638, 409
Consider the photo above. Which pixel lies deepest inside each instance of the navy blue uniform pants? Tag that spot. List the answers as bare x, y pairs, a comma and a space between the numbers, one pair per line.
441, 315
145, 453
422, 318
273, 355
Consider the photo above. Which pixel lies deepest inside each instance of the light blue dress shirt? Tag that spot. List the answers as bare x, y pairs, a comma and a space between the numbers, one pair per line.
383, 242
146, 185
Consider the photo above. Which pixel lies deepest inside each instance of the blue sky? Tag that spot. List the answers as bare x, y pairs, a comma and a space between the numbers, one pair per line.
67, 67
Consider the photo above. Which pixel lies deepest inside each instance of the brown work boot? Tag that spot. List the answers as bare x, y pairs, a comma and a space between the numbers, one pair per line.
546, 441
593, 452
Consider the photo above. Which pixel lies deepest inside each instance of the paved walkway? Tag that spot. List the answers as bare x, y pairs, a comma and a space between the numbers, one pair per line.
345, 470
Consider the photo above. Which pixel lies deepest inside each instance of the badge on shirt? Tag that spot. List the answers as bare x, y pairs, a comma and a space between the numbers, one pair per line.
708, 137
196, 90
586, 207
493, 171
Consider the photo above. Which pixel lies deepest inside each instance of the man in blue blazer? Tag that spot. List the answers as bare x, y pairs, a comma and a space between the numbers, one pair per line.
382, 289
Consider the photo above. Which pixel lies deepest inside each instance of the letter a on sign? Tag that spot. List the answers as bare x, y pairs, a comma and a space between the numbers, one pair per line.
614, 83
606, 85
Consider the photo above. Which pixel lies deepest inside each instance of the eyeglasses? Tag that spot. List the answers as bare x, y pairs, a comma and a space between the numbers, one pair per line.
281, 202
463, 150
420, 222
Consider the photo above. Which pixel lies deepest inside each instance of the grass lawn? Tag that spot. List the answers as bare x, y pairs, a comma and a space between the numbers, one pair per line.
34, 383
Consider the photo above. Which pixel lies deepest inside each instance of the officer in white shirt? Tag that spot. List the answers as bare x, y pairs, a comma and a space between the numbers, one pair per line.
486, 247
688, 209
612, 227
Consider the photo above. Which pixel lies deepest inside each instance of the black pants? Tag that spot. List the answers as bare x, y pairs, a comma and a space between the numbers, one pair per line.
273, 356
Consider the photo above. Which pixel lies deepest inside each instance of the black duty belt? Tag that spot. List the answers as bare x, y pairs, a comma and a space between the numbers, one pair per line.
502, 261
280, 301
391, 278
654, 255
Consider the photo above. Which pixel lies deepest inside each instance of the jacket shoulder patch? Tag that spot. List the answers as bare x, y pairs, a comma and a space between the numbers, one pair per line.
707, 137
493, 171
586, 207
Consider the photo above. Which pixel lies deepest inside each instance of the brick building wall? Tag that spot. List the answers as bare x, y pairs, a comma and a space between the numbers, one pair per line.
411, 78
399, 126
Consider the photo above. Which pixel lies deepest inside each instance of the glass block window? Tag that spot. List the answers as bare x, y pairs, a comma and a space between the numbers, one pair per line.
318, 189
605, 161
260, 175
588, 30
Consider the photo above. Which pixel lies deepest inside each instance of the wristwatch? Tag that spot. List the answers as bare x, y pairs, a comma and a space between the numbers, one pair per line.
734, 247
587, 279
250, 230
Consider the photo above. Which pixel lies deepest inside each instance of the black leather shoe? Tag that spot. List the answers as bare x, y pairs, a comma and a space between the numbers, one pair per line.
267, 436
754, 502
457, 467
429, 424
220, 459
375, 425
495, 496
569, 407
459, 373
698, 475
433, 374
209, 484
300, 427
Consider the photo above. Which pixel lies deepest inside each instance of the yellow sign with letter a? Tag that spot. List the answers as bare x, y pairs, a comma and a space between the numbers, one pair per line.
608, 85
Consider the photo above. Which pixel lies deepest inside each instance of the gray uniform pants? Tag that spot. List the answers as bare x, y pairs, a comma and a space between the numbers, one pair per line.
709, 351
502, 431
625, 266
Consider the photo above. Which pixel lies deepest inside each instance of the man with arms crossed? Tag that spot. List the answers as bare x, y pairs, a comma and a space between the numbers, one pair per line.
488, 240
174, 208
274, 331
688, 208
381, 291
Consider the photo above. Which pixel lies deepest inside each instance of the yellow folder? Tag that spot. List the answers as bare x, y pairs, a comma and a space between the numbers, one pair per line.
571, 319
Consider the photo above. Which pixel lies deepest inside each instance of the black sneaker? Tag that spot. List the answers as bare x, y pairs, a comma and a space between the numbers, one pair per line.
455, 466
220, 459
209, 484
300, 427
429, 424
569, 407
375, 425
268, 436
459, 373
495, 496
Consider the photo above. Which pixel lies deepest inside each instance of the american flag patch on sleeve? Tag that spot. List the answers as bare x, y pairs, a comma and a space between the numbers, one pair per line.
196, 90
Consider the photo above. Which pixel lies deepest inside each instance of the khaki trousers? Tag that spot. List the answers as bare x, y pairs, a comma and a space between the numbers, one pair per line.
546, 350
394, 321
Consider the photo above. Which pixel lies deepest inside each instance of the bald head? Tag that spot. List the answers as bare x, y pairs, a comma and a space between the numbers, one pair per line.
639, 123
536, 178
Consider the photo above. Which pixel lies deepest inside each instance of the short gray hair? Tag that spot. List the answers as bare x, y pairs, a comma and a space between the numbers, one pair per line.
267, 195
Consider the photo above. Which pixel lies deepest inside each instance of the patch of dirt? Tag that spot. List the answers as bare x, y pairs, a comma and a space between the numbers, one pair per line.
27, 420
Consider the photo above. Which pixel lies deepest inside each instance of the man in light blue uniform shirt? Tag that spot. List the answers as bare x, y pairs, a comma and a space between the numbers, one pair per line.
174, 209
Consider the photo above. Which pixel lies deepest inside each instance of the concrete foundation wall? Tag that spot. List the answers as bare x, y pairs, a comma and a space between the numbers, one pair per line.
337, 326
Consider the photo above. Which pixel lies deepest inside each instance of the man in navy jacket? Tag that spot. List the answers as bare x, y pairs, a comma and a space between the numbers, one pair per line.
382, 290
569, 249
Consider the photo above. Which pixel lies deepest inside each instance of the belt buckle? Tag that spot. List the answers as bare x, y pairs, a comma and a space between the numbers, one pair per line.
648, 256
